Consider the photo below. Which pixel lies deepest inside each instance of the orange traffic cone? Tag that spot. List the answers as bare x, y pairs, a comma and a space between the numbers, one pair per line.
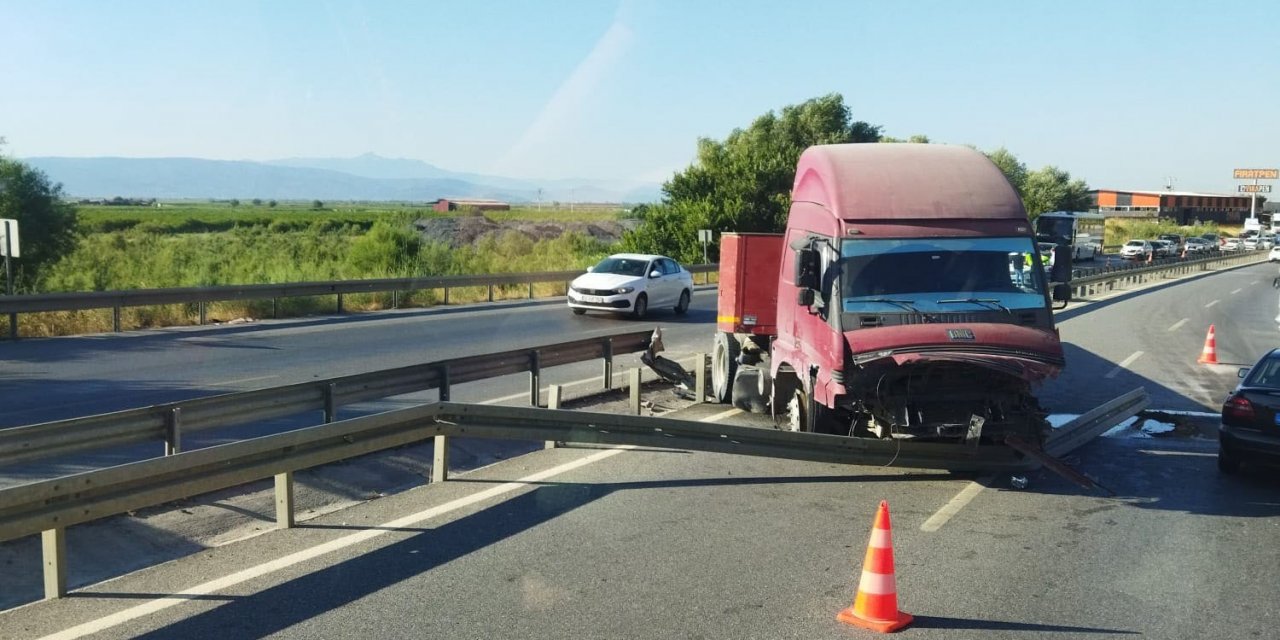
875, 606
1210, 353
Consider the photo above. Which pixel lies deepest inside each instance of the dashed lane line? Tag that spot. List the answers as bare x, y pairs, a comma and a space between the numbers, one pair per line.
1123, 363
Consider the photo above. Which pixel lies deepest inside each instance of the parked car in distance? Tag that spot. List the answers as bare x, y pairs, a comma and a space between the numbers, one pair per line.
1215, 241
1251, 243
1266, 241
1176, 239
1250, 427
1136, 250
632, 283
1198, 245
1232, 244
1274, 256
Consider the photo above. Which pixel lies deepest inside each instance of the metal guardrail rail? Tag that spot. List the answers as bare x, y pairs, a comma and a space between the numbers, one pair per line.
116, 300
1139, 272
48, 507
167, 422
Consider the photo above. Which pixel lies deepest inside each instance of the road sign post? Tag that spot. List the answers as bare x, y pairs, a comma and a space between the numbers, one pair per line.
10, 245
704, 236
1254, 189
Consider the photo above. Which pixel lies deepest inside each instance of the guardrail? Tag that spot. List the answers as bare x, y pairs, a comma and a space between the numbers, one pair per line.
116, 300
49, 507
1109, 276
168, 422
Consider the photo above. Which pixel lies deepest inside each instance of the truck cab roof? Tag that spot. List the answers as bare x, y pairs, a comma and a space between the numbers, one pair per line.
892, 182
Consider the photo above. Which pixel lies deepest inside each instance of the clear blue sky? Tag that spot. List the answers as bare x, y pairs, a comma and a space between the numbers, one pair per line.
1119, 93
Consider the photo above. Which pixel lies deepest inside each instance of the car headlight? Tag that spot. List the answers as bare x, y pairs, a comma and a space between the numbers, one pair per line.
624, 289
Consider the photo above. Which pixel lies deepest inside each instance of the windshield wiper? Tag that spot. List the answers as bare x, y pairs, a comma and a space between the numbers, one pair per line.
987, 301
905, 304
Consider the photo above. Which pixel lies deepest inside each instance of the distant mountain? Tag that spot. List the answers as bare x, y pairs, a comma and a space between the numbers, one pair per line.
366, 177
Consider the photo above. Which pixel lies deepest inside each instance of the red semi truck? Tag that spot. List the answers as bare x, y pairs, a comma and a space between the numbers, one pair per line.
904, 300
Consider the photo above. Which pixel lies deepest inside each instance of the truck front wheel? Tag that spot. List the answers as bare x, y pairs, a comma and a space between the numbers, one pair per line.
724, 365
803, 414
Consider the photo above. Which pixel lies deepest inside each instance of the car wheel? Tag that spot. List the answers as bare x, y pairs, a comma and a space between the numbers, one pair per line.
682, 306
641, 307
1227, 463
578, 312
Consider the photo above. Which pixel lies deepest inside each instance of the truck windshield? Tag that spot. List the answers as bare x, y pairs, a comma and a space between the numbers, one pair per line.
932, 274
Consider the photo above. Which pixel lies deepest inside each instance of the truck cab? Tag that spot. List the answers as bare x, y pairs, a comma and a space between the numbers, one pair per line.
911, 300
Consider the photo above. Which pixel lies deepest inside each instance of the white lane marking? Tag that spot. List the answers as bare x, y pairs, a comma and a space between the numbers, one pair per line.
1123, 363
728, 413
1211, 304
1178, 325
1235, 291
1253, 282
240, 380
239, 577
952, 507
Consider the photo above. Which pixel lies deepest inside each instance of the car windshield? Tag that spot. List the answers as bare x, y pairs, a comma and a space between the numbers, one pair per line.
930, 273
621, 266
1134, 243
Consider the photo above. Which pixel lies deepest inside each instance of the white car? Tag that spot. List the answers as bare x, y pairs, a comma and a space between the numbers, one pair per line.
632, 283
1274, 255
1136, 250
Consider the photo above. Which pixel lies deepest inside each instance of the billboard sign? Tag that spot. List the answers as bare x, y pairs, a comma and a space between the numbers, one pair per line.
1253, 188
1257, 174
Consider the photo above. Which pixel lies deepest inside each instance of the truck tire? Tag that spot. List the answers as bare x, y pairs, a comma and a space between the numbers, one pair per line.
724, 365
803, 414
746, 391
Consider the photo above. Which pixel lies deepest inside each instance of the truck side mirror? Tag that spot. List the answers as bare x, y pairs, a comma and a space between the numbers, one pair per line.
807, 269
804, 297
1061, 271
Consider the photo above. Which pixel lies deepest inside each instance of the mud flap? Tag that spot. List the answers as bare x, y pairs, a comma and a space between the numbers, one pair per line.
1053, 464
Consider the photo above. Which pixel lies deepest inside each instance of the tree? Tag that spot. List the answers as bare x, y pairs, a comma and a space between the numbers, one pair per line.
1012, 168
257, 202
1052, 189
233, 202
743, 183
46, 224
317, 205
271, 203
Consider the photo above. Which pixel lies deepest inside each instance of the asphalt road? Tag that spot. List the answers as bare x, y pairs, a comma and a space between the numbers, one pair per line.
57, 378
592, 543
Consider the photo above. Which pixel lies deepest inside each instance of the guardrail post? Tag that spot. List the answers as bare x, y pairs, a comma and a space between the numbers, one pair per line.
700, 378
339, 303
490, 293
634, 385
284, 500
440, 459
53, 549
330, 403
535, 379
443, 389
530, 290
275, 308
202, 315
395, 299
173, 432
608, 363
115, 319
446, 295
553, 402
13, 326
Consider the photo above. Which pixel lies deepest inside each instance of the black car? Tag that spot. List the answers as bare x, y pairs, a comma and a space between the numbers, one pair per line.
1215, 241
1250, 427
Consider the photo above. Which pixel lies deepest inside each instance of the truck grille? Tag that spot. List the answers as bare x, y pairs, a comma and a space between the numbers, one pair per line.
870, 320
